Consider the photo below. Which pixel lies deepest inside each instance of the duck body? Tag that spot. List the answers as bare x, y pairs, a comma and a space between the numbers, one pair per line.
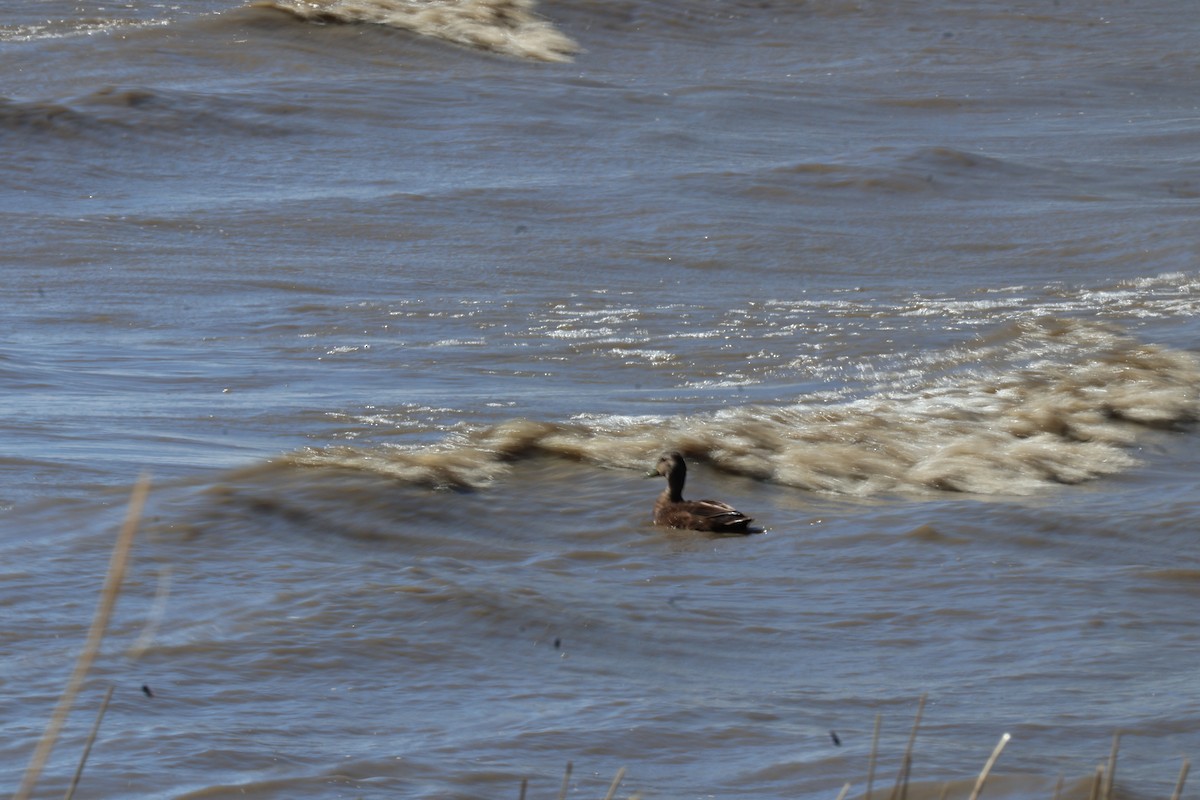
698, 515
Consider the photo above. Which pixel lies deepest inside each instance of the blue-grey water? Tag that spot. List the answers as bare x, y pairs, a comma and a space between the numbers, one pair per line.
396, 302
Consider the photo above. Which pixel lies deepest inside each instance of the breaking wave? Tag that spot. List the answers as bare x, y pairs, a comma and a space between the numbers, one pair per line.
1064, 418
509, 27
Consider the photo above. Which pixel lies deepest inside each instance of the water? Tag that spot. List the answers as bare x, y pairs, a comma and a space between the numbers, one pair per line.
396, 303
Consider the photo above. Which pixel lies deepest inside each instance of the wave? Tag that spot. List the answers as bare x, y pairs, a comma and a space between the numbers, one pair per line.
933, 171
40, 117
948, 173
65, 27
1069, 414
125, 111
509, 27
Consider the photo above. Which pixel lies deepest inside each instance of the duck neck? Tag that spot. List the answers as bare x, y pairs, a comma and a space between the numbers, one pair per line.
675, 485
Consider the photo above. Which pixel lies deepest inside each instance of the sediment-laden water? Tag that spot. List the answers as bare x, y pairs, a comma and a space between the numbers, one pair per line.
397, 302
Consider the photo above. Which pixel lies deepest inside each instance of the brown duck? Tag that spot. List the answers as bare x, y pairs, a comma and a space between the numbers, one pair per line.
697, 515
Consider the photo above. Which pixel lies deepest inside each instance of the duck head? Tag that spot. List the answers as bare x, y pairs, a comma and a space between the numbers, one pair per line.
668, 464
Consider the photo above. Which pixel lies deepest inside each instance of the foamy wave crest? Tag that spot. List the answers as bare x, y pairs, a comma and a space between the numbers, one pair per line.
510, 27
1064, 419
64, 27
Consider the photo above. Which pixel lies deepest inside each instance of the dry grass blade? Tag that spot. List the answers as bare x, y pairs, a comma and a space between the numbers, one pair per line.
900, 790
87, 748
612, 790
1183, 773
524, 787
1110, 775
1097, 782
845, 791
87, 656
871, 759
562, 793
987, 768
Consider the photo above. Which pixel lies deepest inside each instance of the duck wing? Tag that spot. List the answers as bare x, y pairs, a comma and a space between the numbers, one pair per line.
725, 515
705, 515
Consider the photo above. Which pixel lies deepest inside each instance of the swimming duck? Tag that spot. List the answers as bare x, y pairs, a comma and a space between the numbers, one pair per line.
697, 515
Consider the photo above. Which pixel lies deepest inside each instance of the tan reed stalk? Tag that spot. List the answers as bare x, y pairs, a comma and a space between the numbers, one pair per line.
524, 788
91, 647
87, 748
612, 790
562, 793
845, 791
874, 753
1183, 773
987, 768
1097, 782
1110, 774
900, 790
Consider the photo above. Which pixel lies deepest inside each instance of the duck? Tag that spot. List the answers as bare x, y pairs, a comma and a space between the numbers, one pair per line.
673, 511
